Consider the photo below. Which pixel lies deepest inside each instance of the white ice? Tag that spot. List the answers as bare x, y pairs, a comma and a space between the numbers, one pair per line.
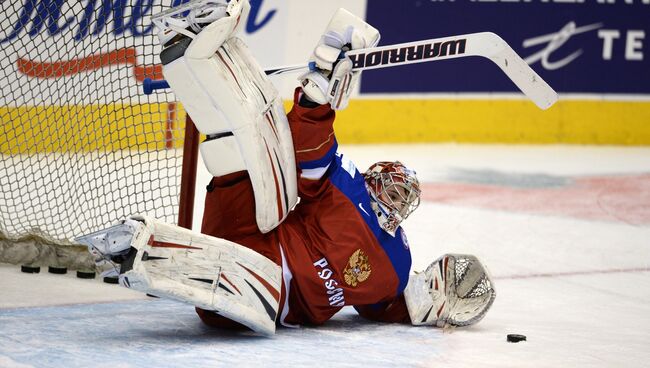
578, 289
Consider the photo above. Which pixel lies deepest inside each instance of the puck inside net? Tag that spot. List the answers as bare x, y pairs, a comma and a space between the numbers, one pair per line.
30, 269
57, 270
86, 274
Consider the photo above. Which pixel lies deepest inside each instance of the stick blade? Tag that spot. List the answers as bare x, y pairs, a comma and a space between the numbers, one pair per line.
529, 82
493, 47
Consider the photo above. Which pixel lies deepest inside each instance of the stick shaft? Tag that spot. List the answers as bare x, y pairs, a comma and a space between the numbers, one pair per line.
400, 54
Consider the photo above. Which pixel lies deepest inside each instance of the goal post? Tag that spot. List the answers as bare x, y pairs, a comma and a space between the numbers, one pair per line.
81, 145
188, 174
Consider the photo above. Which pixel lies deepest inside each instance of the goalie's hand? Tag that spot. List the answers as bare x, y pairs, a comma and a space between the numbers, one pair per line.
333, 87
331, 79
455, 290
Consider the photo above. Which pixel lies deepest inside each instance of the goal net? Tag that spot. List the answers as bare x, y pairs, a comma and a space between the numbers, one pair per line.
81, 145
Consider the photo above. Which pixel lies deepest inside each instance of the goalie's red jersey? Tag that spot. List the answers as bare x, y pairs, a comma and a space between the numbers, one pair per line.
332, 251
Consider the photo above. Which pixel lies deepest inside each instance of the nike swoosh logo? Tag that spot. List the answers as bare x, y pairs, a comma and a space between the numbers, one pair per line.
363, 209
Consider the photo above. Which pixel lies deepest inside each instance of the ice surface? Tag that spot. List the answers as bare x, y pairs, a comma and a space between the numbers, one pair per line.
576, 282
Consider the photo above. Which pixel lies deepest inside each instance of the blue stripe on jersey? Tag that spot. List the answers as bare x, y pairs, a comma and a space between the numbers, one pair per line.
321, 162
345, 176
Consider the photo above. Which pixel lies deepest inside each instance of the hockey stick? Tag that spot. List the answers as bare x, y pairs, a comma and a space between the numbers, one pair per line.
483, 44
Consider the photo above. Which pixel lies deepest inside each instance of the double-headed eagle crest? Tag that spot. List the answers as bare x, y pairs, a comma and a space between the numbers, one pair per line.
358, 268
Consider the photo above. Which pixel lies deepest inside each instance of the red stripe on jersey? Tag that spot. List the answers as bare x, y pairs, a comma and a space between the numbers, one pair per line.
312, 130
317, 151
267, 285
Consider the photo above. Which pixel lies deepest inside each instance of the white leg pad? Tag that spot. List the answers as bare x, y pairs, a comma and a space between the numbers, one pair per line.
229, 92
204, 271
207, 118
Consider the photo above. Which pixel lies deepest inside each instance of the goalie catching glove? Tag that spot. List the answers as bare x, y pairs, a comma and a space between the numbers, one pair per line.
331, 79
454, 290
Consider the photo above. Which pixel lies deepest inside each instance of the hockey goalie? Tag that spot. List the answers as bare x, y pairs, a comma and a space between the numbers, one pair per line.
263, 258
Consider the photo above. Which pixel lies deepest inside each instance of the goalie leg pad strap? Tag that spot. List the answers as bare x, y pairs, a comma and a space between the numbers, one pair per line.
208, 272
230, 93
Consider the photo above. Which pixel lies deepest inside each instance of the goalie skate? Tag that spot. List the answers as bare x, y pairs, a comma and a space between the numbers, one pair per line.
210, 273
189, 19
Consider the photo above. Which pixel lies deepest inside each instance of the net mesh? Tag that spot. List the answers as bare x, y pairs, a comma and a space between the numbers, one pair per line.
81, 145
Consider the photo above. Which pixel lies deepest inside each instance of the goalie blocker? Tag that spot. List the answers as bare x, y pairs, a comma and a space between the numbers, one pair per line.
231, 101
331, 78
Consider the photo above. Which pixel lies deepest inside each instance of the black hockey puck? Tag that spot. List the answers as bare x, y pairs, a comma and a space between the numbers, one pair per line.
30, 269
515, 338
57, 270
86, 274
111, 280
152, 296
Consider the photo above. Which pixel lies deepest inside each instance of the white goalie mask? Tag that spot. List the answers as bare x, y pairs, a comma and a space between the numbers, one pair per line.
395, 192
